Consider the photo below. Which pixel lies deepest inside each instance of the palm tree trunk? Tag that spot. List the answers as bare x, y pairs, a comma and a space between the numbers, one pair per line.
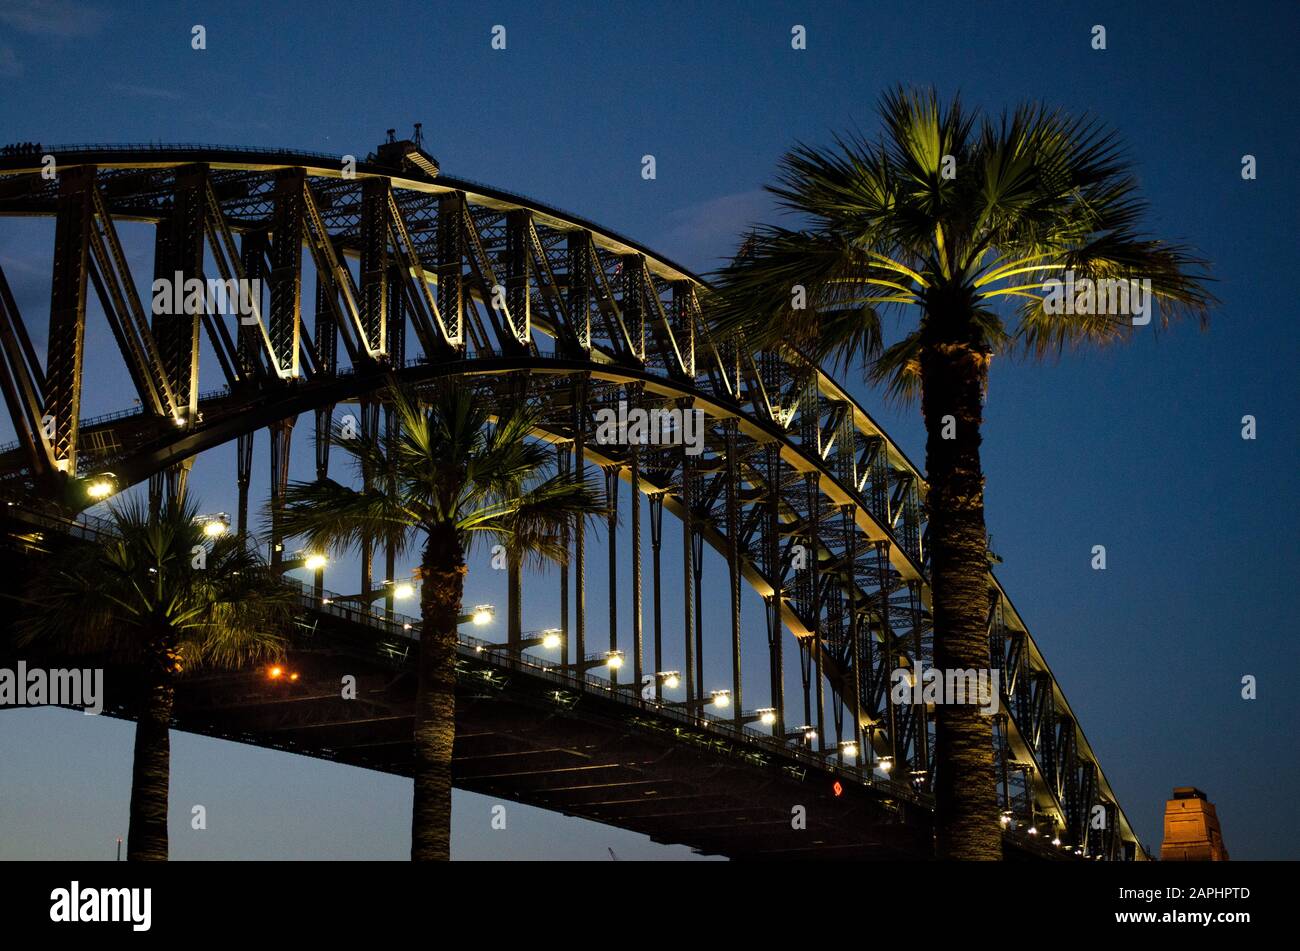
515, 599
146, 839
435, 706
953, 376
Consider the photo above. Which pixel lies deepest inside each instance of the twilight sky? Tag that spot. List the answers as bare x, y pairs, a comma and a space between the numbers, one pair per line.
1138, 448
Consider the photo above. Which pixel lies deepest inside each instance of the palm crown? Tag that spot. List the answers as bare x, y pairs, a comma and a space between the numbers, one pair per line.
161, 590
951, 213
449, 469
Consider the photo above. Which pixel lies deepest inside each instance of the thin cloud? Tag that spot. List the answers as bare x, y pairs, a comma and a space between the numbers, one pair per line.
60, 18
704, 236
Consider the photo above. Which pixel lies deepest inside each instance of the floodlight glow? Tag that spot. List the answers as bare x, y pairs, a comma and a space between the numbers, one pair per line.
483, 614
721, 698
404, 590
551, 638
315, 562
849, 749
767, 716
214, 528
614, 660
671, 680
99, 489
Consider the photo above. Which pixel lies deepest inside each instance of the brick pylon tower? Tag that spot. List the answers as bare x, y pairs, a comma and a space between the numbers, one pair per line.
1192, 829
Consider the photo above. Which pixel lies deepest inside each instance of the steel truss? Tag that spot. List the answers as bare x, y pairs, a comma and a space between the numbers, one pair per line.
805, 498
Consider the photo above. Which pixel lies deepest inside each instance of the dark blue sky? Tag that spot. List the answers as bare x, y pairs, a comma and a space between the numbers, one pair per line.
1138, 448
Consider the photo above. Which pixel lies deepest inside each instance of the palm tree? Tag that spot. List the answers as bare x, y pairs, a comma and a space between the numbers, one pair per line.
453, 478
160, 597
969, 227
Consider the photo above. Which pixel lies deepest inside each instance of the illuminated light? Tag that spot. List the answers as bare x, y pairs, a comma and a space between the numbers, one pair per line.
406, 627
810, 735
215, 528
99, 489
275, 673
849, 749
326, 601
551, 638
614, 660
293, 676
404, 590
886, 764
837, 789
1056, 841
315, 562
179, 420
1033, 830
671, 680
720, 698
1005, 820
767, 716
483, 614
62, 465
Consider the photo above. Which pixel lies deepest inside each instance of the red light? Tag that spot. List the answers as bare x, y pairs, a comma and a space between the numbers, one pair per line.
837, 788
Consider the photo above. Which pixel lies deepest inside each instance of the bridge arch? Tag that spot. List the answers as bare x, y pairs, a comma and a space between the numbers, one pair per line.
790, 457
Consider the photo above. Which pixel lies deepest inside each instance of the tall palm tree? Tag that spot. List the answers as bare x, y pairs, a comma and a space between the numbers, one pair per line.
453, 478
970, 227
159, 597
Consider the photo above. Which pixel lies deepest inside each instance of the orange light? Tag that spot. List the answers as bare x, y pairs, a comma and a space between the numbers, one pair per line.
276, 673
837, 788
293, 676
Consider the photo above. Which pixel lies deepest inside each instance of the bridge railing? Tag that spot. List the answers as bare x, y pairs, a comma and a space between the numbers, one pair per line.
95, 528
407, 627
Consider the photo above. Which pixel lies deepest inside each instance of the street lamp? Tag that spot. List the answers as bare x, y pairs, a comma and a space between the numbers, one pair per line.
311, 560
719, 698
215, 525
101, 486
550, 639
400, 590
805, 733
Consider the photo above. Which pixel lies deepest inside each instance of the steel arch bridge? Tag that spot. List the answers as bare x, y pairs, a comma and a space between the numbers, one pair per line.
418, 277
